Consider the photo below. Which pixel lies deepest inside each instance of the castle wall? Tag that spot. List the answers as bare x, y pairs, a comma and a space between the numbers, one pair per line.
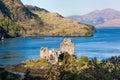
52, 55
67, 46
44, 53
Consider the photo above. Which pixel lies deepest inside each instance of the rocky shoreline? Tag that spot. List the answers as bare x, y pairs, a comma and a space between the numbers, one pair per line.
20, 68
13, 73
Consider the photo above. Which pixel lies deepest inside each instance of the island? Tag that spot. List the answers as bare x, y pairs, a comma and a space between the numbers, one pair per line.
63, 64
47, 58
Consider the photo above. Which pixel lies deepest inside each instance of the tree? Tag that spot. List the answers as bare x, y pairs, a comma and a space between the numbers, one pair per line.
12, 28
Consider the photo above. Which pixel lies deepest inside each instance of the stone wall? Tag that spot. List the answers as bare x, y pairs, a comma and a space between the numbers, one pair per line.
52, 55
67, 46
44, 53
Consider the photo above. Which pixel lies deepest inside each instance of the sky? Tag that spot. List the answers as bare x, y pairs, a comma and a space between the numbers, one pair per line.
74, 7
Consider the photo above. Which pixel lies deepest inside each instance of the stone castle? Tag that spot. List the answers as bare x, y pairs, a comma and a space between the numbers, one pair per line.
67, 46
52, 56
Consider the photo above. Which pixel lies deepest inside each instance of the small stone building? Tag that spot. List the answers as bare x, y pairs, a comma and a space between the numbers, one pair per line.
67, 46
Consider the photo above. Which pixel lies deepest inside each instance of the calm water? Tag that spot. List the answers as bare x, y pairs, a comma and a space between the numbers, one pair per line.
105, 43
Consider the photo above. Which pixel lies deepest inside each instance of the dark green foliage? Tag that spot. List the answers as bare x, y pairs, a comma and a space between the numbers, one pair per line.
108, 69
4, 10
8, 27
2, 32
115, 60
66, 58
27, 76
5, 75
67, 71
14, 16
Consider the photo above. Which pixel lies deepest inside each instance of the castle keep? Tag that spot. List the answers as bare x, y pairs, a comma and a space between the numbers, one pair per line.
52, 56
67, 46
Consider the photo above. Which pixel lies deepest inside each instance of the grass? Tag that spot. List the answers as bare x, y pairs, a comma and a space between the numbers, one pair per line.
37, 63
63, 26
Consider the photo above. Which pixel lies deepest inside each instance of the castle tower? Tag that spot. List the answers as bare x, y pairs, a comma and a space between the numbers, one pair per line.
44, 53
67, 46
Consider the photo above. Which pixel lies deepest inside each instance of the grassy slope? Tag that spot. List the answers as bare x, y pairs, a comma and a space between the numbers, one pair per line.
57, 25
39, 21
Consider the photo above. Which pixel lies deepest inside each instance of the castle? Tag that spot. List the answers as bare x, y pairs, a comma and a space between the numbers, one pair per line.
52, 56
67, 46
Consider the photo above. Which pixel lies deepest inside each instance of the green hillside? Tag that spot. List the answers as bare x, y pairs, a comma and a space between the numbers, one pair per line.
16, 20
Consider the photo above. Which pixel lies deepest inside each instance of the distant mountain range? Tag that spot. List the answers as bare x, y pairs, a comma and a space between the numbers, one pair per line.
17, 19
98, 18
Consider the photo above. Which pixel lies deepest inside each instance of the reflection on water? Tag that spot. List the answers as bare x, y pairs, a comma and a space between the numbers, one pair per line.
105, 43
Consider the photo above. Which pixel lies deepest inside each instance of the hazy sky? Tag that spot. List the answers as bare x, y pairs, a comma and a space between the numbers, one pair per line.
74, 7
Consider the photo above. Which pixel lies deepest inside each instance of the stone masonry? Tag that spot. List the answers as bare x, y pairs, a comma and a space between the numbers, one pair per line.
67, 46
44, 53
52, 55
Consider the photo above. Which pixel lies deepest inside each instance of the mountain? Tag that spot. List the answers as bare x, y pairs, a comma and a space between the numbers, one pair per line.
16, 19
15, 16
106, 17
60, 26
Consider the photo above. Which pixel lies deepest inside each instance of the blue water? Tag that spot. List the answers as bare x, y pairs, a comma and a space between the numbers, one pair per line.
105, 43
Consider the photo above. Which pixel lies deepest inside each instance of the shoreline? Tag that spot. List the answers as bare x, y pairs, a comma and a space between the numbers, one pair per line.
20, 68
44, 36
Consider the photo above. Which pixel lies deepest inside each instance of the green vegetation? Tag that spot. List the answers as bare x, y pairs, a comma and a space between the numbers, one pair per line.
2, 32
69, 70
8, 27
61, 26
37, 63
85, 69
72, 69
19, 20
57, 25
